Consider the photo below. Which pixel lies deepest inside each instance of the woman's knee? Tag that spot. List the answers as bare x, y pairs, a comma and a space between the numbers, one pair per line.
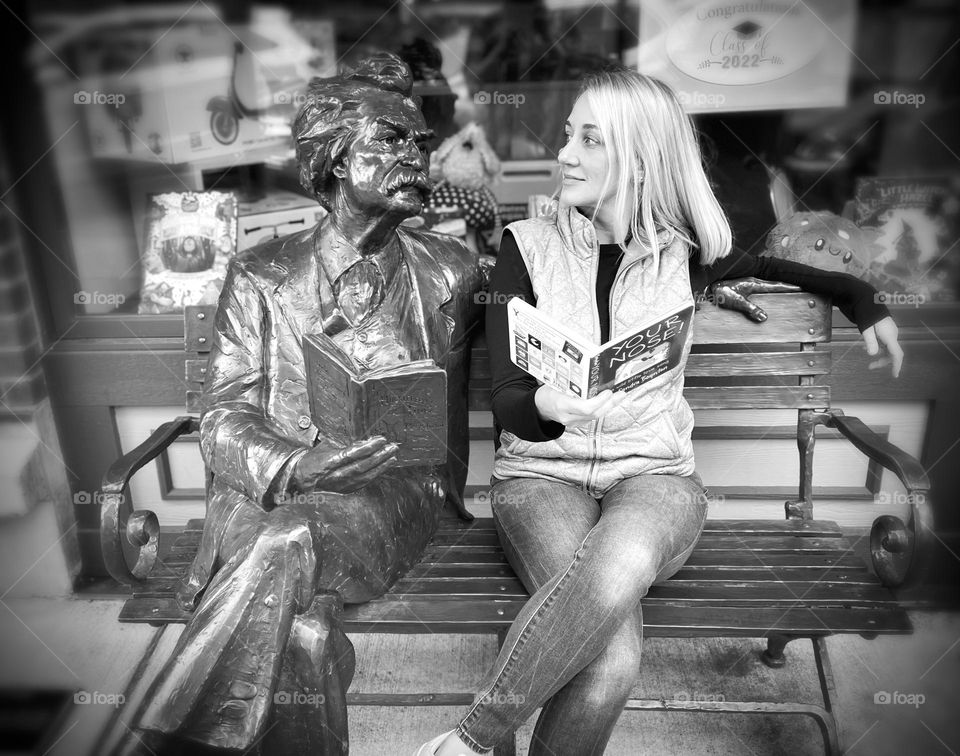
622, 575
609, 678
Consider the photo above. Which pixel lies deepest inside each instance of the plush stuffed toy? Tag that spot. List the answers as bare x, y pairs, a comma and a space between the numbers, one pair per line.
465, 167
830, 242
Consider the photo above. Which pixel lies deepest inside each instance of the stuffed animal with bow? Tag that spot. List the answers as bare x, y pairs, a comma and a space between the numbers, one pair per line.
465, 168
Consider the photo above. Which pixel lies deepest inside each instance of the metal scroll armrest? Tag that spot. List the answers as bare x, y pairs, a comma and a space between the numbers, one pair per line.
900, 553
142, 527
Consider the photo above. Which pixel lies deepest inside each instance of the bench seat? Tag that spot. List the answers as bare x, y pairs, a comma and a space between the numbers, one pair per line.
744, 578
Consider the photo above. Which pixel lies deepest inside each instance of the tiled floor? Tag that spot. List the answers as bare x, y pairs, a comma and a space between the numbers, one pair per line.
78, 644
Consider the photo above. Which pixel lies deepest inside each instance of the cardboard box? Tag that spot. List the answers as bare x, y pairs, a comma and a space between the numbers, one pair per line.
200, 91
278, 214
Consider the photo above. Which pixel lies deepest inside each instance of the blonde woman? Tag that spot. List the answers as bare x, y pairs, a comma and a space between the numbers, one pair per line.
595, 500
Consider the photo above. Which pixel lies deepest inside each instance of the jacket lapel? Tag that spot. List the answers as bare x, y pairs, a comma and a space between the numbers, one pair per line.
430, 293
297, 297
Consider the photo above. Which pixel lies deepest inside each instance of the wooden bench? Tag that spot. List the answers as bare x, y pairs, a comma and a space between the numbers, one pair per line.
773, 579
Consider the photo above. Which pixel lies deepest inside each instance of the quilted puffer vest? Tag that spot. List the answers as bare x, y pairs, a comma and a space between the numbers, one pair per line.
650, 432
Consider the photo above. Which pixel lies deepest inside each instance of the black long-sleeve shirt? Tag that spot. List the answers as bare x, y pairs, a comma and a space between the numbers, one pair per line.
513, 389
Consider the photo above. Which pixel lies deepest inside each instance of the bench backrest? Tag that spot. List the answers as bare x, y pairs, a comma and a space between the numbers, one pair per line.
735, 363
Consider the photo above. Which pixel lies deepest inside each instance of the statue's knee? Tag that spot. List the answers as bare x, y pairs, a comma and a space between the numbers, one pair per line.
288, 544
285, 533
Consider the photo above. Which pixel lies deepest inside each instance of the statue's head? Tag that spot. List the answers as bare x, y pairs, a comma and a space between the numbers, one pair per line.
360, 139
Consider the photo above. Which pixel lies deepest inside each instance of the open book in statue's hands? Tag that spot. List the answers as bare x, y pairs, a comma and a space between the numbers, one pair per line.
405, 403
565, 360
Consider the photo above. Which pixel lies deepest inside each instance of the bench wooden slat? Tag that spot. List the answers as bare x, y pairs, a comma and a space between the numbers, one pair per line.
746, 591
757, 397
479, 543
707, 364
717, 397
799, 579
711, 539
762, 363
660, 619
742, 558
799, 317
818, 528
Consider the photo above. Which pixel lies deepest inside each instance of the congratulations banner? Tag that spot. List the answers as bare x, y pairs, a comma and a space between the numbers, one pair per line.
726, 56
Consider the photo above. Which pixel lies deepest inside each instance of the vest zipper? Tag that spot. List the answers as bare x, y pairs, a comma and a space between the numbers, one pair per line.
594, 471
594, 438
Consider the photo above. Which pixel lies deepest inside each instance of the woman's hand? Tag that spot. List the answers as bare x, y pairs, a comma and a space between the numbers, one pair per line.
885, 332
568, 410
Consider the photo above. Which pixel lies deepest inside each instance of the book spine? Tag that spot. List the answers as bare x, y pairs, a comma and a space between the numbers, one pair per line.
593, 376
360, 427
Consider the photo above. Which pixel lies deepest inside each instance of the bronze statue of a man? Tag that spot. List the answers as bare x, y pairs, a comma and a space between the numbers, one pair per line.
295, 522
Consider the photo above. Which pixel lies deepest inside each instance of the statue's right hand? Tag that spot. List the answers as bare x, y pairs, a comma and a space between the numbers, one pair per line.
327, 467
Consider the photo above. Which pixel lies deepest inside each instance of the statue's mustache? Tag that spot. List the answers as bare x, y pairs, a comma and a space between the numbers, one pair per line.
404, 177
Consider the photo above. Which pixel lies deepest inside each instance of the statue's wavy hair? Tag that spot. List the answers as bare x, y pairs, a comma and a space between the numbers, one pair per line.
326, 123
662, 185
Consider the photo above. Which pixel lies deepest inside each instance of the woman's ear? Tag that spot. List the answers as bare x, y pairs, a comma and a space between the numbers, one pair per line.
340, 170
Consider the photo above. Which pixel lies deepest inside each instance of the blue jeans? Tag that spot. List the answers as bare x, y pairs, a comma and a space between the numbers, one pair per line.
575, 646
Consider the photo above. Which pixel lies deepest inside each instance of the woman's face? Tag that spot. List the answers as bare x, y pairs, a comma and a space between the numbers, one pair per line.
584, 165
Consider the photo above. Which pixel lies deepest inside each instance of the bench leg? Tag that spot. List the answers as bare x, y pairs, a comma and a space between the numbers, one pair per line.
773, 656
829, 725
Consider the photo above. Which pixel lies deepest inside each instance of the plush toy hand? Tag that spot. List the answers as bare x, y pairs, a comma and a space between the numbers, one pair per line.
884, 331
732, 295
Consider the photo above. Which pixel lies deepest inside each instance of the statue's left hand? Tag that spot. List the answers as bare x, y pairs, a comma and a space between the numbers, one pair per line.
732, 295
327, 467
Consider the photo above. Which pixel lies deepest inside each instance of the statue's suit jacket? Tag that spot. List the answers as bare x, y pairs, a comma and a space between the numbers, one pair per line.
257, 414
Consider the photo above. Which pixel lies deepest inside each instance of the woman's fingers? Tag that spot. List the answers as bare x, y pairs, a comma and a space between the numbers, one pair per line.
581, 411
884, 332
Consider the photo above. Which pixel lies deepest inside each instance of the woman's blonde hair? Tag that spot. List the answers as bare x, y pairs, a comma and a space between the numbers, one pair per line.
662, 184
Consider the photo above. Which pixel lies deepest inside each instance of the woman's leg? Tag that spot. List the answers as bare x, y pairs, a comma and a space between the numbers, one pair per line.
580, 717
647, 528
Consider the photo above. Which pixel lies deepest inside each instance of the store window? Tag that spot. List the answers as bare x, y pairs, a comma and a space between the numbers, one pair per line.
164, 129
